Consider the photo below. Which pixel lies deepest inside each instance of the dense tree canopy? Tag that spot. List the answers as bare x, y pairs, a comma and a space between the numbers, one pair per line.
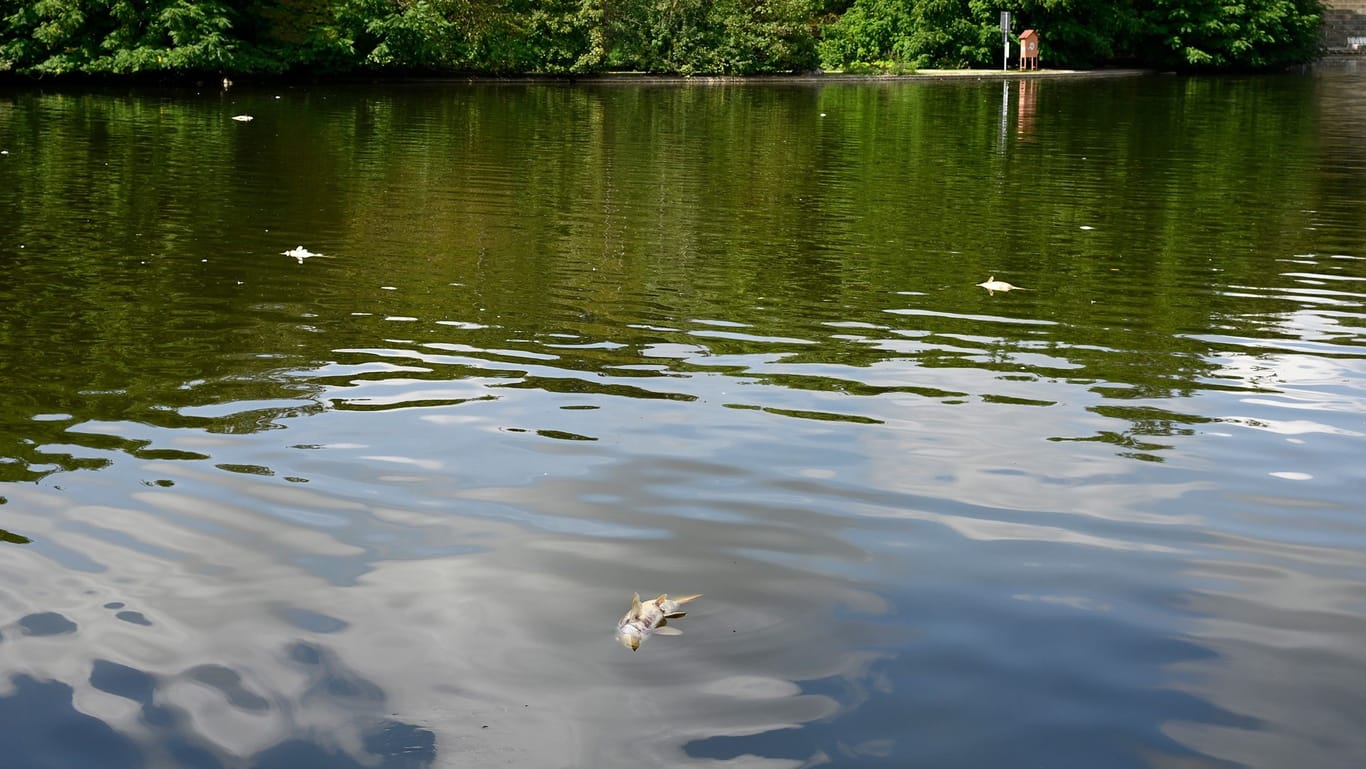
1178, 34
196, 37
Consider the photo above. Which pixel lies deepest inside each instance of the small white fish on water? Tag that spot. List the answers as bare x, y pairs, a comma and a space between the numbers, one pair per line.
650, 618
243, 118
992, 285
300, 253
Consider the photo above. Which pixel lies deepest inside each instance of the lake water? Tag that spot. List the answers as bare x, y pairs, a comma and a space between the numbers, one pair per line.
382, 507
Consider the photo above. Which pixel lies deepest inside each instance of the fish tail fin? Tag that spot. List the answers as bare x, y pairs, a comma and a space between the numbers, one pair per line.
687, 598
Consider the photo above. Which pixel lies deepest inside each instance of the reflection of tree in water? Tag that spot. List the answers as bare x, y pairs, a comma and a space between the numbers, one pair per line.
40, 726
130, 307
42, 447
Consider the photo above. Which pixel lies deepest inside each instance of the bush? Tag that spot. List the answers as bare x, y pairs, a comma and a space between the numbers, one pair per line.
193, 37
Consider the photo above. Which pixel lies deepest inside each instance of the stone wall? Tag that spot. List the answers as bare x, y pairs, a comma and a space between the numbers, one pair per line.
1344, 25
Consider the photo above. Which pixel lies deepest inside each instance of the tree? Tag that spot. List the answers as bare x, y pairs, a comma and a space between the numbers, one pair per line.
1230, 34
1185, 34
195, 37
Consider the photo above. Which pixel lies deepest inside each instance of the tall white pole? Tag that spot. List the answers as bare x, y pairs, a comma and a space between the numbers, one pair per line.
1005, 40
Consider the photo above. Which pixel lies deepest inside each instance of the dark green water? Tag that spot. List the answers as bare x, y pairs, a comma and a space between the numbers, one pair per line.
383, 506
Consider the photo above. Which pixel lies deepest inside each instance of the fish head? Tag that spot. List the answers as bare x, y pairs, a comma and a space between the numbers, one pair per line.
629, 636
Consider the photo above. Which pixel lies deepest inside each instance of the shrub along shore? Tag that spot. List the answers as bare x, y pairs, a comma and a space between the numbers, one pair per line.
320, 38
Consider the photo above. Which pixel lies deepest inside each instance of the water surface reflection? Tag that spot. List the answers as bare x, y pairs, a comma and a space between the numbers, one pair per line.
383, 508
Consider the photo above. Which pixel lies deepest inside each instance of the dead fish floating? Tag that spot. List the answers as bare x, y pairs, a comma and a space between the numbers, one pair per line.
992, 285
300, 253
650, 618
242, 118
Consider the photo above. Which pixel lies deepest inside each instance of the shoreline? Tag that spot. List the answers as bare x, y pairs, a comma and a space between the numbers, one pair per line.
12, 80
644, 78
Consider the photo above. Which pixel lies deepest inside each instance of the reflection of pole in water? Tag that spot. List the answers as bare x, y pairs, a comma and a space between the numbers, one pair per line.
1005, 111
1028, 104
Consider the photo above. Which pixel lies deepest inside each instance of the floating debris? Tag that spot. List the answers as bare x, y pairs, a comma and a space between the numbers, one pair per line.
650, 618
243, 118
300, 253
992, 285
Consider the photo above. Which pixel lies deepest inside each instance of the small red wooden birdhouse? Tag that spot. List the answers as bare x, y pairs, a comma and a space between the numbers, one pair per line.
1029, 49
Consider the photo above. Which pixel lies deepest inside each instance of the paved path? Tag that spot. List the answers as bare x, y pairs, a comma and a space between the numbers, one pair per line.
984, 74
640, 78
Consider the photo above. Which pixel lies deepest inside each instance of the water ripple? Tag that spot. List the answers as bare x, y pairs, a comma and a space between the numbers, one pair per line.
383, 510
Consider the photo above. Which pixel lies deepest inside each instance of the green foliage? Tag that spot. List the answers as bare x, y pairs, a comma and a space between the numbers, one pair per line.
120, 37
766, 36
417, 35
878, 68
948, 33
1079, 33
566, 37
1223, 34
312, 35
182, 36
869, 30
713, 36
190, 37
922, 33
1186, 34
50, 36
61, 36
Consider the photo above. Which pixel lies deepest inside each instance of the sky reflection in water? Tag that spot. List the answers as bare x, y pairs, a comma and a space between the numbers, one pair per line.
383, 509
